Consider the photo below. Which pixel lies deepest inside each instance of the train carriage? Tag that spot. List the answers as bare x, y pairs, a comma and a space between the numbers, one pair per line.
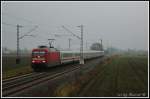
49, 57
69, 56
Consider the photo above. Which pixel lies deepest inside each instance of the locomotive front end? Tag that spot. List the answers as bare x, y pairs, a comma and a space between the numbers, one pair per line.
39, 59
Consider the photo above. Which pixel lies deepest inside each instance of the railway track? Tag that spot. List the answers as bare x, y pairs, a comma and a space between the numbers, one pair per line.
21, 80
16, 84
12, 78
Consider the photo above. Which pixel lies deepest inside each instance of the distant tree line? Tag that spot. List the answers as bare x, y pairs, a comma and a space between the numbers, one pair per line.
96, 46
6, 50
114, 50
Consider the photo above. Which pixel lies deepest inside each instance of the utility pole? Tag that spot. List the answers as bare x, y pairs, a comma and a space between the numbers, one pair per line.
101, 45
69, 42
18, 38
86, 46
81, 46
71, 32
18, 50
57, 35
81, 42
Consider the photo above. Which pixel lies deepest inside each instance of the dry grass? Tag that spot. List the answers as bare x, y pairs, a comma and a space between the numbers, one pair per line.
11, 69
16, 72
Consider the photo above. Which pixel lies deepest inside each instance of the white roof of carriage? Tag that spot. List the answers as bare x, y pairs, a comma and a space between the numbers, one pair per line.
77, 51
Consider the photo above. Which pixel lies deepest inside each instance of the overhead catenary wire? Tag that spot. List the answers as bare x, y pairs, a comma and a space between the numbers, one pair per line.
35, 26
28, 32
9, 24
71, 32
25, 34
18, 18
14, 25
29, 21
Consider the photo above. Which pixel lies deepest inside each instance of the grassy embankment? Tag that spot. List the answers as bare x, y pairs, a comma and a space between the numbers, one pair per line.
11, 69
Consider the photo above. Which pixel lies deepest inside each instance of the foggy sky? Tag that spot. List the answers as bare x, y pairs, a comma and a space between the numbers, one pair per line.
120, 24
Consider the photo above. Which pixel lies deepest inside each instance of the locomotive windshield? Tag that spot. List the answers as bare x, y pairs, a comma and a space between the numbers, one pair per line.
41, 53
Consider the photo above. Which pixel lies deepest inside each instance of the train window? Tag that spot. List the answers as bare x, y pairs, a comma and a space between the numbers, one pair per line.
42, 52
38, 53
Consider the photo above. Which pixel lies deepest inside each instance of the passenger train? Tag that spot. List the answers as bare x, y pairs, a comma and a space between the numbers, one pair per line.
44, 56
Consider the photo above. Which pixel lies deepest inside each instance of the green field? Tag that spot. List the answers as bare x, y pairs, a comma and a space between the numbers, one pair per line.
122, 76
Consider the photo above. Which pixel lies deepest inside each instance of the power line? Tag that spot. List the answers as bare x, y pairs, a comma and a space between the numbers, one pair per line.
71, 32
28, 32
14, 25
23, 19
36, 26
9, 24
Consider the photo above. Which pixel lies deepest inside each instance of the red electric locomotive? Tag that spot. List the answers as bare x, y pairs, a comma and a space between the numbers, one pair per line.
44, 57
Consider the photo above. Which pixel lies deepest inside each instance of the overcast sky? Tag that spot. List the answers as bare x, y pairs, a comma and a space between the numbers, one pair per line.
120, 24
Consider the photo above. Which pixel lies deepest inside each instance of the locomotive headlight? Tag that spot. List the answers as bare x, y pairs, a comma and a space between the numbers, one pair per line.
33, 61
44, 61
